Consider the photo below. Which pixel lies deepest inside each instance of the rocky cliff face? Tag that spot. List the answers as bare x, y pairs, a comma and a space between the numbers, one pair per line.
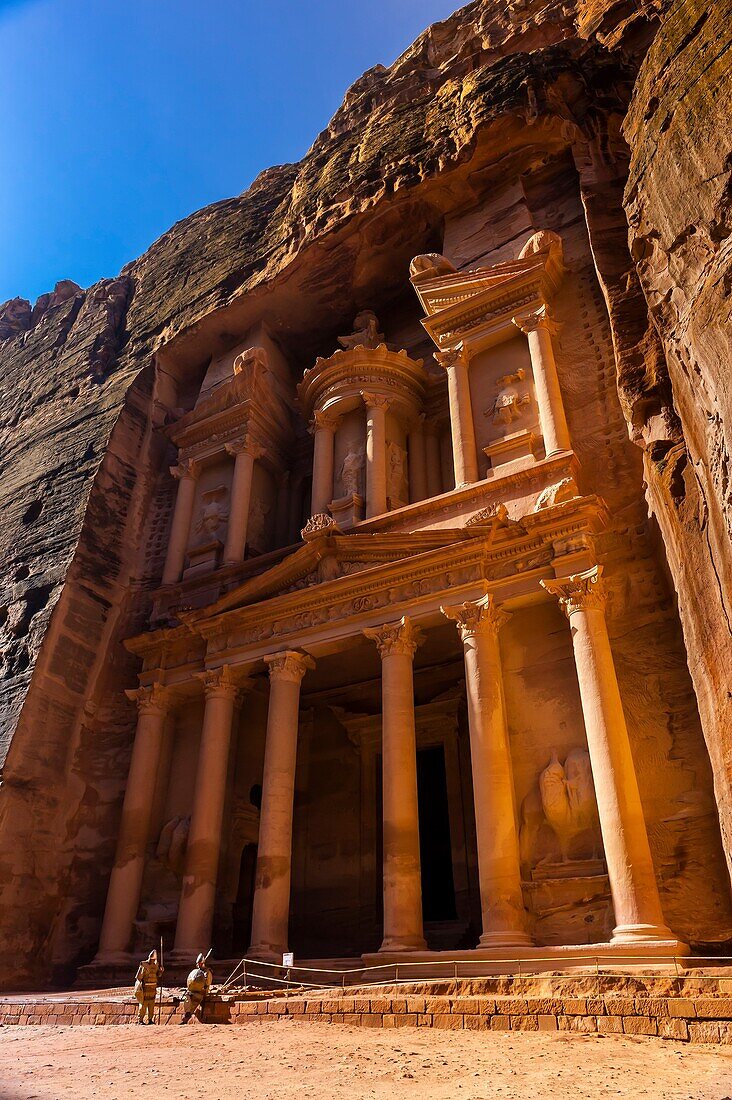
84, 385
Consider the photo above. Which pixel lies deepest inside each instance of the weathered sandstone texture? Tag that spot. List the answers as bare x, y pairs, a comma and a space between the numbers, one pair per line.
590, 119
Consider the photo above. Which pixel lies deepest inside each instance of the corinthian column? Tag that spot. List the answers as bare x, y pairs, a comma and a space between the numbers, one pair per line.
270, 915
539, 327
245, 454
198, 894
499, 867
323, 429
637, 906
376, 407
186, 474
403, 929
123, 895
465, 455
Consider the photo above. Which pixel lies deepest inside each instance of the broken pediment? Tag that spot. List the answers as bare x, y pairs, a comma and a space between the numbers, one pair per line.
478, 306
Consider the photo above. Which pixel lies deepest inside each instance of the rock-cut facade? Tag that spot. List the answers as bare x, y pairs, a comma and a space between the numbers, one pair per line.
366, 539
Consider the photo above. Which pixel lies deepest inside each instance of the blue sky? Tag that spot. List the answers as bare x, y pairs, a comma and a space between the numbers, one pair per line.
122, 116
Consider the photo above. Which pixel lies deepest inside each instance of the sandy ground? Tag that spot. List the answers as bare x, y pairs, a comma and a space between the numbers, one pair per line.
287, 1059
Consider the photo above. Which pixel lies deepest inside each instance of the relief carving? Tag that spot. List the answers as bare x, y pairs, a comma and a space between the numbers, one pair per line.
365, 332
396, 473
350, 474
172, 844
214, 514
508, 405
559, 820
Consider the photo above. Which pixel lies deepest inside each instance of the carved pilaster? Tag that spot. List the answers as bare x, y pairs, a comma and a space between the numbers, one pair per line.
580, 592
480, 617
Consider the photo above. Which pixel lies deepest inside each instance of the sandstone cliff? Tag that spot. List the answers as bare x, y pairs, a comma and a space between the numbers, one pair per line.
84, 389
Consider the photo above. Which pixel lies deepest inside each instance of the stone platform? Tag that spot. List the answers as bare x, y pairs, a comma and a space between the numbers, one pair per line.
695, 1007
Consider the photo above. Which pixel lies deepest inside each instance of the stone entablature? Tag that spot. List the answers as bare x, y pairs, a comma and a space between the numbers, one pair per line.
339, 578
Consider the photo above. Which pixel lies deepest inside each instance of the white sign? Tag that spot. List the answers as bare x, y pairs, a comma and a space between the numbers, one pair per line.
288, 959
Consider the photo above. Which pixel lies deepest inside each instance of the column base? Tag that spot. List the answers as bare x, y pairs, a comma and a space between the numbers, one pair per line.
506, 939
644, 933
390, 946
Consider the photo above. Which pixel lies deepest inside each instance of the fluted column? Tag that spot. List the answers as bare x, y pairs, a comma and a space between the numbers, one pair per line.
433, 458
245, 454
465, 455
123, 894
417, 461
186, 474
638, 914
198, 894
538, 326
270, 915
323, 427
403, 930
376, 407
499, 865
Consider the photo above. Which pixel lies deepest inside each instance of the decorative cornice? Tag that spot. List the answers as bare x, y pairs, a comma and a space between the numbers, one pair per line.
580, 592
480, 617
154, 699
290, 665
401, 637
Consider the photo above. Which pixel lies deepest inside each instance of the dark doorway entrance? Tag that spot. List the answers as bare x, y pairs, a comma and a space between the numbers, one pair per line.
242, 908
435, 848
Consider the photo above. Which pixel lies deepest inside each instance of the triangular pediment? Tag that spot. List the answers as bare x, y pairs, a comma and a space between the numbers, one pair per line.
330, 558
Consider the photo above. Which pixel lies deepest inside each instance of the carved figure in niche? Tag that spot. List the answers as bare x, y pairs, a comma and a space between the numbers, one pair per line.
350, 473
172, 844
396, 472
429, 266
365, 332
508, 404
258, 512
214, 514
559, 819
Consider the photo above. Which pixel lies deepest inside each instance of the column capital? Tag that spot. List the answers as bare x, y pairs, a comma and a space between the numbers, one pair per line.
186, 469
535, 319
453, 357
375, 400
324, 421
480, 617
221, 682
401, 637
247, 445
580, 592
153, 699
289, 665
